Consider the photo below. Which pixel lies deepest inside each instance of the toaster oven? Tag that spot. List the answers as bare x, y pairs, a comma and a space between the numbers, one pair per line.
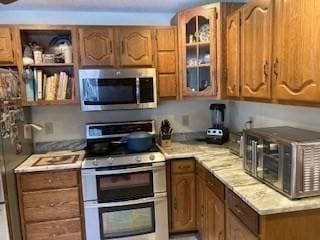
285, 158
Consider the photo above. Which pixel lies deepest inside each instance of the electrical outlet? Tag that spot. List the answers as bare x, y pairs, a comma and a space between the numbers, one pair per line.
48, 128
185, 120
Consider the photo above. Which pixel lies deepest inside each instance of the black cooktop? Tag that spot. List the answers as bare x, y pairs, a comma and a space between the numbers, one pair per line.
102, 148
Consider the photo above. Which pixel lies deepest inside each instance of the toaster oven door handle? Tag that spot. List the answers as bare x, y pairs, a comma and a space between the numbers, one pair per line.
90, 172
158, 197
254, 157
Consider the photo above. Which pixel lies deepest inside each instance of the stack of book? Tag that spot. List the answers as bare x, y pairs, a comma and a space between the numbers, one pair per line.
58, 86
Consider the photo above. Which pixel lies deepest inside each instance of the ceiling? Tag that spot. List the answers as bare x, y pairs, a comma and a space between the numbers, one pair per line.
165, 6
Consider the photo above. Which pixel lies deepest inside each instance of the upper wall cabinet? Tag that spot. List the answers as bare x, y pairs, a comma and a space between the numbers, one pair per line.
198, 51
257, 48
136, 46
96, 46
233, 55
297, 50
167, 61
6, 46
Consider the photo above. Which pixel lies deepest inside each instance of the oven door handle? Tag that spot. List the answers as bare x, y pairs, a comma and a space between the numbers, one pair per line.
157, 198
90, 172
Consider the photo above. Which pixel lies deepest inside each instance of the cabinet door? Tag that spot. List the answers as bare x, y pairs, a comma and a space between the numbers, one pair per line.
167, 61
233, 55
183, 202
236, 230
136, 46
6, 46
201, 193
198, 46
256, 39
214, 217
96, 46
297, 50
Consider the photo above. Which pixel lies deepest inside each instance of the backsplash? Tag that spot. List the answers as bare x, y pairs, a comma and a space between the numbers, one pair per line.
268, 115
69, 121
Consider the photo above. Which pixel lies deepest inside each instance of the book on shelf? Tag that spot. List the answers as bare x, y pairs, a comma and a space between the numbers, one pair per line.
50, 87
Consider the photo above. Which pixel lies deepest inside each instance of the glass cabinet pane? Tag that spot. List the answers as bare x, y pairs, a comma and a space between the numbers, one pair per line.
203, 29
192, 79
204, 54
192, 56
191, 29
204, 78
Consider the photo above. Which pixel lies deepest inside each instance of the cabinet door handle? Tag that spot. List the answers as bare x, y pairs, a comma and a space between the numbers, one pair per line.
111, 50
175, 203
266, 68
276, 67
202, 211
238, 210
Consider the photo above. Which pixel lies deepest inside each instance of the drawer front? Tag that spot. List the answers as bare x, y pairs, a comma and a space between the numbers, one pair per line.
59, 230
216, 186
201, 171
183, 166
245, 213
51, 205
49, 180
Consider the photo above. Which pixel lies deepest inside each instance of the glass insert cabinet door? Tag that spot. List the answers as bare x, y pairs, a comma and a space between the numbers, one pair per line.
199, 50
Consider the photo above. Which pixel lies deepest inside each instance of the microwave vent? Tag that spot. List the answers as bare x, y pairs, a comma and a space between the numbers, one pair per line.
311, 168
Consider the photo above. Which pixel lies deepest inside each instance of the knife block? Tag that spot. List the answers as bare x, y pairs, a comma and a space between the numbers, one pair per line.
165, 142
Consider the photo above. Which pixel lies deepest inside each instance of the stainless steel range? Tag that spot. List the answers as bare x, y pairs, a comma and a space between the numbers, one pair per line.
124, 193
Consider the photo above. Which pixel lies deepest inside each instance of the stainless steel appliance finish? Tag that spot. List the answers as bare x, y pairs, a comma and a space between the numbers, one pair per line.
4, 230
124, 193
236, 143
285, 158
113, 89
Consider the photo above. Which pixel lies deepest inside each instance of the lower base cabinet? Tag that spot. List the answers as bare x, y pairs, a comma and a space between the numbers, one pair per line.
51, 205
235, 230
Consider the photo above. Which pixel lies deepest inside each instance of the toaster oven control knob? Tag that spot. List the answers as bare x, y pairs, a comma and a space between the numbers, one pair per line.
152, 157
138, 159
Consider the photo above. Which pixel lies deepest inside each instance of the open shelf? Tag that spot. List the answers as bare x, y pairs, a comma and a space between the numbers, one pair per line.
197, 44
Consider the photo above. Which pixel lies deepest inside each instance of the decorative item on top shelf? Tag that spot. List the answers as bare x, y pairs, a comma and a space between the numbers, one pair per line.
48, 87
165, 133
61, 46
204, 33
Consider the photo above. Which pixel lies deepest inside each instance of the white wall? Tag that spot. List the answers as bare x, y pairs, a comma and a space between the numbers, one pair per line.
84, 18
268, 115
69, 121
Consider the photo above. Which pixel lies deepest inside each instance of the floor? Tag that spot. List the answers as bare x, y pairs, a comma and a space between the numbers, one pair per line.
184, 237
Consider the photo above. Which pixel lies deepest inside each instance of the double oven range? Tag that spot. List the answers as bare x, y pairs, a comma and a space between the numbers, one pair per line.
124, 193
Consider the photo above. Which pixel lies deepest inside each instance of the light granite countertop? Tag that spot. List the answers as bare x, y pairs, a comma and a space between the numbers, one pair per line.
228, 169
28, 165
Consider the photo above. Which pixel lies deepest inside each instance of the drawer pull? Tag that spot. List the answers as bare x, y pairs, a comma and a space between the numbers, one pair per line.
184, 167
51, 204
238, 210
50, 180
53, 235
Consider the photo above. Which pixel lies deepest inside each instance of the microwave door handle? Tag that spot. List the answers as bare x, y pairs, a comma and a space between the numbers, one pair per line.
158, 197
138, 90
122, 171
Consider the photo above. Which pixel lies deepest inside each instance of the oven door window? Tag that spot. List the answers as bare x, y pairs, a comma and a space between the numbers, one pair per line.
109, 91
124, 187
269, 164
127, 221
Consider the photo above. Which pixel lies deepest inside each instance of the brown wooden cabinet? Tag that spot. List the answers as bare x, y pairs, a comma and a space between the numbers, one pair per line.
183, 195
233, 55
201, 205
235, 230
256, 37
296, 50
167, 62
51, 205
136, 46
214, 215
96, 46
6, 46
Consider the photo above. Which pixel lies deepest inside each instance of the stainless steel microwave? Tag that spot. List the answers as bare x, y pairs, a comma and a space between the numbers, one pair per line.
285, 158
113, 89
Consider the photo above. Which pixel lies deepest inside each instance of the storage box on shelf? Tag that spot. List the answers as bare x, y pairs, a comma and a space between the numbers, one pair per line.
48, 64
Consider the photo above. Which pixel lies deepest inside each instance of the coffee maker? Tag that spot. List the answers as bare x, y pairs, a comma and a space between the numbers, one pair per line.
217, 134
